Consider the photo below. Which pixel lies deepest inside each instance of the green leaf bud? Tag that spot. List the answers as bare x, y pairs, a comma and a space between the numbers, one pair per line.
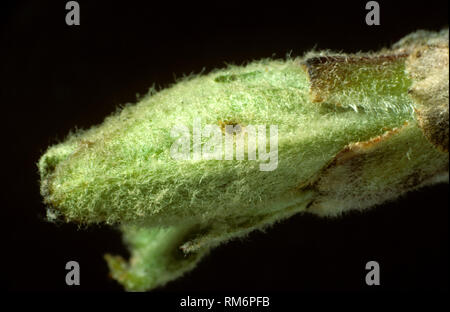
322, 134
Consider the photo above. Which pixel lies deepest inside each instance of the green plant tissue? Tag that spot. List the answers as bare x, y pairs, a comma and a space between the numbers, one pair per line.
335, 132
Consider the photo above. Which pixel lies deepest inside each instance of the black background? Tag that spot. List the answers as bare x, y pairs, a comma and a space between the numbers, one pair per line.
56, 77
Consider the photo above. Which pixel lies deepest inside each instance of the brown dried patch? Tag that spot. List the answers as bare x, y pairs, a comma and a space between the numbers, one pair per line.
367, 173
341, 183
349, 152
354, 149
224, 123
329, 74
428, 66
